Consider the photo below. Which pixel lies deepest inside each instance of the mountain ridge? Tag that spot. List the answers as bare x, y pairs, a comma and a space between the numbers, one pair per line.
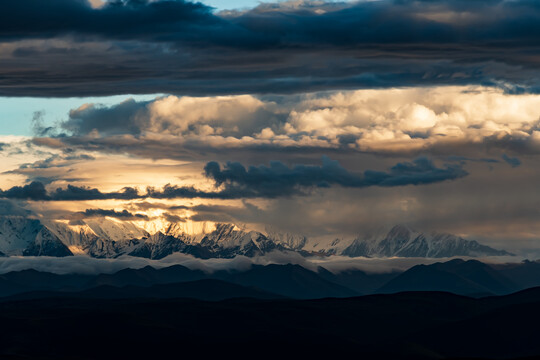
468, 278
110, 238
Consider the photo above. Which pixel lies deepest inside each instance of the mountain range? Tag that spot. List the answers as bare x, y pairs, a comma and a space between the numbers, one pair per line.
469, 278
109, 238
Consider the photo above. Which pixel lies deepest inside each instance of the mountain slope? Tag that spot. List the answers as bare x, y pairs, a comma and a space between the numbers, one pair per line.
525, 274
205, 289
288, 280
358, 280
457, 276
29, 237
147, 276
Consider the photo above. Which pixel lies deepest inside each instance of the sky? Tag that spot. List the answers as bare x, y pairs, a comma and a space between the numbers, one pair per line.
327, 119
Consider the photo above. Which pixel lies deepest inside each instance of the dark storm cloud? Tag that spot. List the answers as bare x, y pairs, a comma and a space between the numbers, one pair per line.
234, 181
33, 191
181, 47
74, 193
122, 215
278, 179
36, 191
117, 19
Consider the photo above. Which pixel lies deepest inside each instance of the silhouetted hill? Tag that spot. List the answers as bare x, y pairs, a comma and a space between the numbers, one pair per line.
525, 274
288, 280
357, 280
457, 276
32, 280
285, 280
148, 276
411, 325
207, 289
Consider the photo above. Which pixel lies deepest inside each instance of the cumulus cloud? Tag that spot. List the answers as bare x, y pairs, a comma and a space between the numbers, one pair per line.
175, 46
126, 117
443, 121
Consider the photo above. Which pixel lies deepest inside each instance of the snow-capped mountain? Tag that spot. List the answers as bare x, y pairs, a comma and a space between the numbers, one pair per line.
228, 241
195, 229
288, 240
110, 238
20, 236
402, 241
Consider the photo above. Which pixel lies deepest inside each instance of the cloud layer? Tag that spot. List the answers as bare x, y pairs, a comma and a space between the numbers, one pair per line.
68, 47
472, 153
234, 181
92, 266
441, 121
429, 111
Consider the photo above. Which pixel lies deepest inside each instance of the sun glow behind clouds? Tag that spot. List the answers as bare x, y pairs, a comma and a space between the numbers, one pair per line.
484, 131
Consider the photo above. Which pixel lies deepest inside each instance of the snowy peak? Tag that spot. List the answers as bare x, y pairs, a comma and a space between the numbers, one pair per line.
17, 233
402, 241
110, 238
20, 236
227, 238
115, 230
288, 240
71, 235
193, 229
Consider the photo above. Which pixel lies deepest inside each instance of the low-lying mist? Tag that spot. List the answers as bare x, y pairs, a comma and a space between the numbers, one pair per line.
336, 264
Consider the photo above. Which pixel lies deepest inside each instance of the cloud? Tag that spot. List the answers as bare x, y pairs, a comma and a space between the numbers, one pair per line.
119, 19
125, 118
92, 266
279, 180
33, 191
10, 208
68, 47
74, 193
234, 181
441, 121
38, 127
121, 215
171, 218
512, 161
247, 213
36, 191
